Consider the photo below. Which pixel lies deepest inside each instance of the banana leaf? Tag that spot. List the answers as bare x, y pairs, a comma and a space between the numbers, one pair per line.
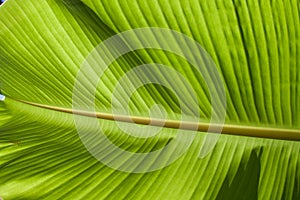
101, 99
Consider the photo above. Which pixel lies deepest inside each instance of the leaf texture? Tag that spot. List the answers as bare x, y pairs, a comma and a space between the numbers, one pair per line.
43, 44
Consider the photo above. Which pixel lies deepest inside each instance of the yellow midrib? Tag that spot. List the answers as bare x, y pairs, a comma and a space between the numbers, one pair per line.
252, 131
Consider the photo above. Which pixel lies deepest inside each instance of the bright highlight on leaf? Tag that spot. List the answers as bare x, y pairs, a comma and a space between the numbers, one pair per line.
48, 150
2, 97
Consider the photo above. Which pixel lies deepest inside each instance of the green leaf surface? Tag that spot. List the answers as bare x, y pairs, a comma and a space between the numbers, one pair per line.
43, 45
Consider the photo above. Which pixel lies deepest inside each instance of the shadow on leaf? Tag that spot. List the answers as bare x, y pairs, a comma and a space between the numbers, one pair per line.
244, 185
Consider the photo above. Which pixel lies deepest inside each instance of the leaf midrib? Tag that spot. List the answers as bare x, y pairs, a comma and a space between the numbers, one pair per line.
229, 129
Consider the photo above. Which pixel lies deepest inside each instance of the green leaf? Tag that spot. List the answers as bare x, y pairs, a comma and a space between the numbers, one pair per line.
48, 153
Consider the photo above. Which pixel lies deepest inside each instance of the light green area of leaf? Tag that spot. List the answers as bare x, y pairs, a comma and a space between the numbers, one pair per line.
256, 47
43, 158
255, 44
